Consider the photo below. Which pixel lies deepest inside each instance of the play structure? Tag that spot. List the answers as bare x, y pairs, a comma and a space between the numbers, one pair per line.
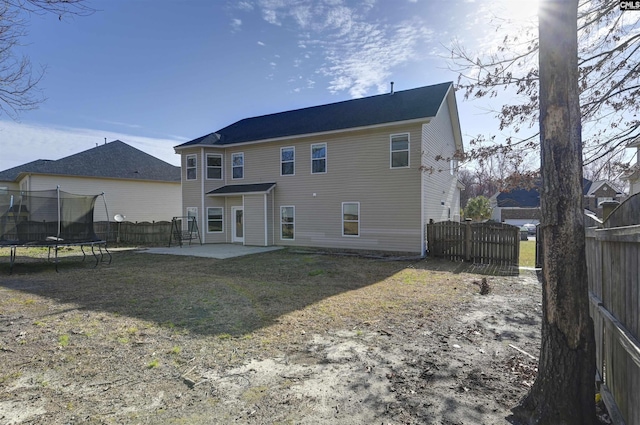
51, 219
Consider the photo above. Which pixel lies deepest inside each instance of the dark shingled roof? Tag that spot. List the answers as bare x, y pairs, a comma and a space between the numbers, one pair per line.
422, 102
239, 189
111, 160
529, 198
519, 198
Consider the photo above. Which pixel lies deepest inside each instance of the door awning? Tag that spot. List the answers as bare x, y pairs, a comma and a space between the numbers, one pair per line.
243, 189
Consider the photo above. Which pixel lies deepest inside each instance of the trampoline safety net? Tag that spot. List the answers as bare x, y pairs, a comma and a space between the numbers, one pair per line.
48, 217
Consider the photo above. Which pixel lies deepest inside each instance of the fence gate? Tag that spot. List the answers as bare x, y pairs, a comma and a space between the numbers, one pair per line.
488, 243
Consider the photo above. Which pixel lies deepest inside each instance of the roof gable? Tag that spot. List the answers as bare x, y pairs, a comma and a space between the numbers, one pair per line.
111, 160
418, 103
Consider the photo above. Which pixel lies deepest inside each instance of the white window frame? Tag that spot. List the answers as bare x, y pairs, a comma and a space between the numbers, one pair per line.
221, 219
194, 167
326, 150
351, 221
221, 167
189, 210
408, 150
233, 167
292, 223
293, 161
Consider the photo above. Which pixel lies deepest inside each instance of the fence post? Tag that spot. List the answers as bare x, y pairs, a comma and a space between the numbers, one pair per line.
467, 240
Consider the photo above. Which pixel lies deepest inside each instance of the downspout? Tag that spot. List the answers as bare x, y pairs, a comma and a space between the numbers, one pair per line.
423, 241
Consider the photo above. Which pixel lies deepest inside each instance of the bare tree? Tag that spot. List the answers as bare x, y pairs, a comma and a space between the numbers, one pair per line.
563, 392
609, 69
18, 82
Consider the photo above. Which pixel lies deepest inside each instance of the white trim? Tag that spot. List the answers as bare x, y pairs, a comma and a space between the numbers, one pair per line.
342, 219
293, 161
232, 167
424, 120
326, 154
391, 151
207, 211
206, 168
186, 167
187, 213
266, 221
281, 223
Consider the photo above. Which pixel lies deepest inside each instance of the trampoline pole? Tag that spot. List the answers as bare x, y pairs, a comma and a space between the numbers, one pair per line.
106, 210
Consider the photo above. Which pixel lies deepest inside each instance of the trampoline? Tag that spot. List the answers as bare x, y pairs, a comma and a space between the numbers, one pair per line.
51, 219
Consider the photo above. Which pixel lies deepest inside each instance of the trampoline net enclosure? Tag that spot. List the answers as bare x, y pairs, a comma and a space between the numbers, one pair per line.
47, 217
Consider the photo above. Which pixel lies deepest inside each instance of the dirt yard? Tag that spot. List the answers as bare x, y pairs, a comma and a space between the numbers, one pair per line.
276, 338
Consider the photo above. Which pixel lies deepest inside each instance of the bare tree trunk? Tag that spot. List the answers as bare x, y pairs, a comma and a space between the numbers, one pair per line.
563, 392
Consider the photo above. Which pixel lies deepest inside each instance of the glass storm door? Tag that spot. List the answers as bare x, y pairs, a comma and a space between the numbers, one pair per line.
238, 224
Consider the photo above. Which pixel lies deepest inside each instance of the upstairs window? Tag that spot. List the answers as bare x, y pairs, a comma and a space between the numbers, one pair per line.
192, 167
237, 165
399, 150
351, 219
287, 161
214, 166
319, 158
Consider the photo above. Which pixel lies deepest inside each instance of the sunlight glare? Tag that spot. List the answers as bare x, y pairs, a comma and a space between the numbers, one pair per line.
520, 10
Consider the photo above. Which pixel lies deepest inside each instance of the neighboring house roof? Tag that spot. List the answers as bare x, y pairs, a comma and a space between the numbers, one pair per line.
110, 160
530, 198
519, 198
242, 189
406, 105
594, 187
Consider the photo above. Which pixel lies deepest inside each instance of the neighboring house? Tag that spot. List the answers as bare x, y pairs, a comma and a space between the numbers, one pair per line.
136, 185
599, 191
520, 206
364, 174
516, 207
633, 175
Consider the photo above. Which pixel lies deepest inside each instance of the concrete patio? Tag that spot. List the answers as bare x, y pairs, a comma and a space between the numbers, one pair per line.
218, 251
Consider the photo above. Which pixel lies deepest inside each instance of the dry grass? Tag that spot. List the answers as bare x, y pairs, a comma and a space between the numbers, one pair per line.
274, 298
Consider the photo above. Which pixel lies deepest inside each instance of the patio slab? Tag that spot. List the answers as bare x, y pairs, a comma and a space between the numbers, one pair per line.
218, 251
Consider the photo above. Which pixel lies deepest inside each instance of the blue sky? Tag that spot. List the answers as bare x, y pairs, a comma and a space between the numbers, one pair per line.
156, 73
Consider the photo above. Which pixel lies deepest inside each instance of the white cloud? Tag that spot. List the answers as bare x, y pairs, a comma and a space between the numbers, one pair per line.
22, 143
260, 43
244, 5
358, 55
236, 24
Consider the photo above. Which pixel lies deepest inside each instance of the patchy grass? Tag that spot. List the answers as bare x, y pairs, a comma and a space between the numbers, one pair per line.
145, 320
527, 253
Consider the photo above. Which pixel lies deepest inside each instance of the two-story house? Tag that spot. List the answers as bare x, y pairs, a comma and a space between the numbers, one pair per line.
365, 174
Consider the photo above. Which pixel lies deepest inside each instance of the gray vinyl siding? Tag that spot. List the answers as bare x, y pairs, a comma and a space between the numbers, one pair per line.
358, 170
271, 222
439, 185
392, 204
192, 189
254, 220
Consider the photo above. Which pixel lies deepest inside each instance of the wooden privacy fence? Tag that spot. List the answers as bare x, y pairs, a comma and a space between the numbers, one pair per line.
139, 233
489, 243
613, 258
